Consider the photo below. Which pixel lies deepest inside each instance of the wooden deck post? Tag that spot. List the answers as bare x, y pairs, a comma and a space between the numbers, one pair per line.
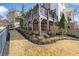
48, 21
39, 20
39, 25
27, 27
32, 21
32, 25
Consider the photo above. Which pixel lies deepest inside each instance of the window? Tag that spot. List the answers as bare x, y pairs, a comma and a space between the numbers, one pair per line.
43, 11
42, 4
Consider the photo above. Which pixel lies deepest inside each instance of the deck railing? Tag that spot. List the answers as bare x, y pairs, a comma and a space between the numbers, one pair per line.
3, 37
43, 11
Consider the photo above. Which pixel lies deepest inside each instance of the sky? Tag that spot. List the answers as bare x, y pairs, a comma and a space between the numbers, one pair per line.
4, 8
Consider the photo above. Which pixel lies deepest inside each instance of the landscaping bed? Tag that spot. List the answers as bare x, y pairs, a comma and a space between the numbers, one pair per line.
44, 39
75, 36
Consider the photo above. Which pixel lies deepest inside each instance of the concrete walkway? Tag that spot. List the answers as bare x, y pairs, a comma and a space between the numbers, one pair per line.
16, 44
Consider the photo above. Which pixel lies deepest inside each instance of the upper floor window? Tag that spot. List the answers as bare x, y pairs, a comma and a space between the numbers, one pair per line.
42, 4
43, 11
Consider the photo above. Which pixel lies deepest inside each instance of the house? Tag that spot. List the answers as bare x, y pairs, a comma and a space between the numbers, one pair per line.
70, 15
4, 23
41, 18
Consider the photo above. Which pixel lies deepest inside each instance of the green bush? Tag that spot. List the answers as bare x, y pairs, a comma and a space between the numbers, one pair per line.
63, 24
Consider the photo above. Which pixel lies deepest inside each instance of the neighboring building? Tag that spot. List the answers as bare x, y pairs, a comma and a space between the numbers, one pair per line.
70, 12
4, 23
72, 24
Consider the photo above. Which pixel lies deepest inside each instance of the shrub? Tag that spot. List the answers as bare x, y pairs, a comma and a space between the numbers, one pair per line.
62, 24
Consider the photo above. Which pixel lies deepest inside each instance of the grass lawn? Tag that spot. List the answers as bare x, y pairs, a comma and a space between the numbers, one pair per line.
19, 46
63, 47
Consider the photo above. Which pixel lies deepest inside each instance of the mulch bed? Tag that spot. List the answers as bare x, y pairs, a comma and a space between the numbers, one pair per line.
74, 36
38, 41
